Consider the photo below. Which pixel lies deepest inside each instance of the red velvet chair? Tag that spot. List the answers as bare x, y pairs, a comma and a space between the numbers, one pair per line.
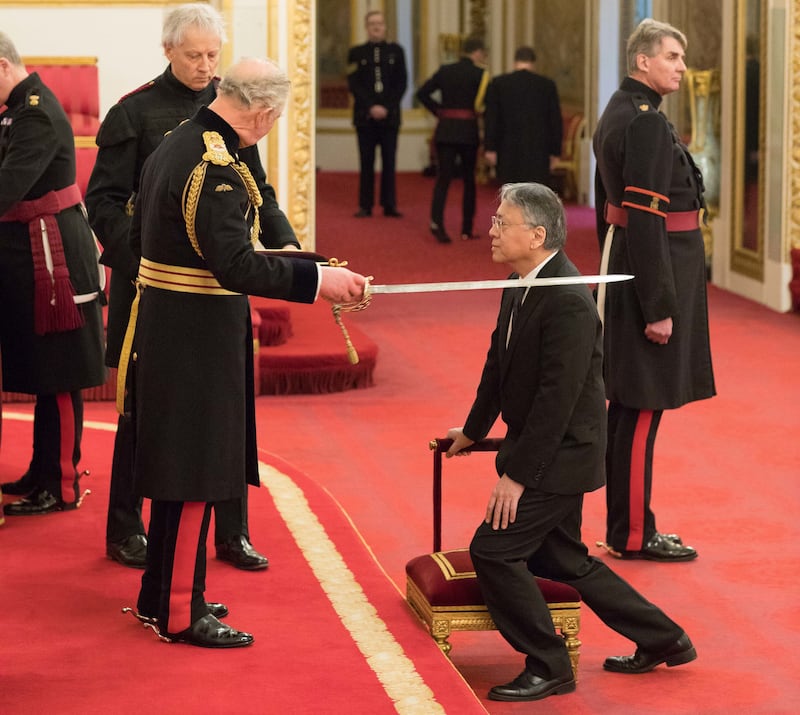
74, 81
443, 590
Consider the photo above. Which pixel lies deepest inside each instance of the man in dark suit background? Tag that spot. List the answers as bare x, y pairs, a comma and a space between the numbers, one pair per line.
461, 86
377, 78
543, 375
522, 122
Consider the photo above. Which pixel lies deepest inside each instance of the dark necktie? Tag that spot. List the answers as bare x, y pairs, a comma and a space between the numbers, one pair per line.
516, 301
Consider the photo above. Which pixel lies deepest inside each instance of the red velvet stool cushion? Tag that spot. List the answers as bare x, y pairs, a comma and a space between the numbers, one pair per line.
447, 579
276, 321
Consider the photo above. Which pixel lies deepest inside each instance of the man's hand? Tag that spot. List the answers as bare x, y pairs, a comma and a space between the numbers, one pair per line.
659, 332
491, 157
460, 442
502, 508
341, 286
378, 111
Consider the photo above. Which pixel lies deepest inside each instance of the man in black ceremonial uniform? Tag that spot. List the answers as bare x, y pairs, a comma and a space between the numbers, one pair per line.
51, 328
191, 380
657, 351
192, 38
377, 79
462, 86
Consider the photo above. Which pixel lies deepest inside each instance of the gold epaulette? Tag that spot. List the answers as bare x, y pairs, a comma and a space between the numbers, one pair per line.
217, 153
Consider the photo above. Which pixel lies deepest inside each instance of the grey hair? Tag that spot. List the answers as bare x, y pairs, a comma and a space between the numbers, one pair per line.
646, 39
9, 51
540, 206
258, 82
199, 15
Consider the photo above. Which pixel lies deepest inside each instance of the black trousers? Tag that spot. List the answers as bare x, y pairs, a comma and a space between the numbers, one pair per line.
630, 522
447, 157
174, 579
377, 134
57, 432
545, 540
124, 517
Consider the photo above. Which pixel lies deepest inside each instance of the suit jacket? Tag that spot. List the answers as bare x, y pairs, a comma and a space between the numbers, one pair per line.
458, 84
547, 386
523, 125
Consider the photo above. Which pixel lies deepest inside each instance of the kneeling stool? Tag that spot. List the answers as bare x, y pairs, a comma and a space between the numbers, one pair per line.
443, 589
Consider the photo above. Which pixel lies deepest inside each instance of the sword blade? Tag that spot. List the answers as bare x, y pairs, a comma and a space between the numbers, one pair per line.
389, 288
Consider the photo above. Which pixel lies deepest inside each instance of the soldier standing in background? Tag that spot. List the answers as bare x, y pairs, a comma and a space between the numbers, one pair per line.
657, 351
377, 78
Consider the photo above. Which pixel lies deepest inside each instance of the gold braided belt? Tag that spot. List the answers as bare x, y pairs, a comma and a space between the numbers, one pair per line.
160, 275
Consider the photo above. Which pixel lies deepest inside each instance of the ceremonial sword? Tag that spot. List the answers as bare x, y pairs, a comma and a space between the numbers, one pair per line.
398, 288
447, 286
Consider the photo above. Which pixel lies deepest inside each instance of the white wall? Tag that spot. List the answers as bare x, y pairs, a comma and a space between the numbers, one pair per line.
126, 40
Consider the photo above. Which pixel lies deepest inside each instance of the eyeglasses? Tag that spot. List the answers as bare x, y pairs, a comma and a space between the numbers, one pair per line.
499, 224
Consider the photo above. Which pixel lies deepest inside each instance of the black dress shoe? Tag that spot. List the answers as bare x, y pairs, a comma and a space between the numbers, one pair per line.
527, 686
38, 502
660, 548
130, 552
439, 232
362, 213
643, 661
24, 485
392, 213
208, 632
218, 610
673, 537
240, 552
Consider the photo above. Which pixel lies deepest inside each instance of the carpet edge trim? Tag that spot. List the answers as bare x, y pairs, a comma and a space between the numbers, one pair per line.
385, 656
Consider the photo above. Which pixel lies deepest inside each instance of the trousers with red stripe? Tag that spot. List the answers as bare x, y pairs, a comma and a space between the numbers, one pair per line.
174, 580
630, 522
57, 430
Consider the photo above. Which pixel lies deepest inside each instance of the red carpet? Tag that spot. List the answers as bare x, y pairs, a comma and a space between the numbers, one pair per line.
726, 479
330, 628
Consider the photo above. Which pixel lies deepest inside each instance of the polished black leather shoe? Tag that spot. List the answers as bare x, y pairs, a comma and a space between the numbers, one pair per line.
660, 548
209, 632
131, 552
218, 610
527, 686
38, 502
24, 485
440, 233
362, 213
240, 552
392, 213
643, 661
673, 537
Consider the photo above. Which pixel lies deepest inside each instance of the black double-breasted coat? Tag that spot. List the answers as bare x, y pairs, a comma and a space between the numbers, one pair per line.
130, 132
194, 408
37, 156
377, 74
637, 150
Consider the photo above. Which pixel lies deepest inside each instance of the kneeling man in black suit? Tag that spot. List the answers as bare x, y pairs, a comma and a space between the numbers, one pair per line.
543, 376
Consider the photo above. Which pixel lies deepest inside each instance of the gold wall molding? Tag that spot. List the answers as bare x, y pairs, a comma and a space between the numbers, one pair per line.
301, 175
794, 128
